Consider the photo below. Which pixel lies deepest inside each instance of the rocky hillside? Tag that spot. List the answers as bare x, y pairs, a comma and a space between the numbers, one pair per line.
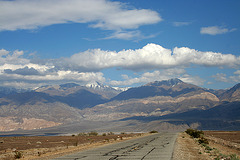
233, 94
37, 105
79, 96
156, 98
221, 117
50, 106
104, 91
31, 110
172, 88
4, 91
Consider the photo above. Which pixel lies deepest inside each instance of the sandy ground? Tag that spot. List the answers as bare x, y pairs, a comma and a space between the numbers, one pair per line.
187, 148
47, 151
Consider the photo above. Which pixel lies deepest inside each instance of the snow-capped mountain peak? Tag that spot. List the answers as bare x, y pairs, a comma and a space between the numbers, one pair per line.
97, 85
122, 89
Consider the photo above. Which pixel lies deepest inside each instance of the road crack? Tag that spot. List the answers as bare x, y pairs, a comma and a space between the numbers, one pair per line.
133, 148
148, 153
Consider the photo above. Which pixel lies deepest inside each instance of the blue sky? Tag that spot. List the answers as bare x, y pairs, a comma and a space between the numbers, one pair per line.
119, 43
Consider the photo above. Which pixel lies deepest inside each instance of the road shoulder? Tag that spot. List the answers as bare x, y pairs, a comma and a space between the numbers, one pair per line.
188, 149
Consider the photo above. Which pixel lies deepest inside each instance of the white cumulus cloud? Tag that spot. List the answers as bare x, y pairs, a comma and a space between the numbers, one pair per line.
151, 56
221, 77
103, 14
186, 55
214, 30
237, 72
19, 72
88, 66
179, 24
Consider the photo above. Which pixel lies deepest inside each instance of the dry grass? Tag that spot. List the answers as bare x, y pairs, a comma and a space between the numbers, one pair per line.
46, 147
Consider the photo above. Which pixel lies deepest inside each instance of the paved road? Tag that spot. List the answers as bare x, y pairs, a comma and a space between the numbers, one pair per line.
153, 147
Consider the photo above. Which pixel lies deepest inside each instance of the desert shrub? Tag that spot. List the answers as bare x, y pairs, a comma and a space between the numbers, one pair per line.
194, 133
18, 155
76, 143
220, 157
234, 157
93, 133
203, 140
110, 133
227, 157
208, 148
204, 145
82, 134
104, 134
123, 133
107, 140
153, 131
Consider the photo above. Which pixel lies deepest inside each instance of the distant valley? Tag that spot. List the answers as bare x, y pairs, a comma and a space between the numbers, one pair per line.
160, 105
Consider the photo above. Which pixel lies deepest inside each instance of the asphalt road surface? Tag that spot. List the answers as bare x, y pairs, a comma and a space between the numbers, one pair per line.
153, 147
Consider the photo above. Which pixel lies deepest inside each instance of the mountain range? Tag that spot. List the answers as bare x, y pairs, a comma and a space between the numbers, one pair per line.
160, 105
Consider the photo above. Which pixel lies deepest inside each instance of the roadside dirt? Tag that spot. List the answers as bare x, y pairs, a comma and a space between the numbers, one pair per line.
47, 147
188, 149
221, 145
226, 142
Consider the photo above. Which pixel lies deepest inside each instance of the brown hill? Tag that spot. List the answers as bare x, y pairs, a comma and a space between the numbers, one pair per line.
172, 88
232, 94
70, 104
25, 110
